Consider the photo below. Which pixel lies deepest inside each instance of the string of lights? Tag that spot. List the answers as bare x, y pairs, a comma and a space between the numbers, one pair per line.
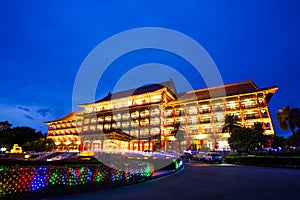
14, 180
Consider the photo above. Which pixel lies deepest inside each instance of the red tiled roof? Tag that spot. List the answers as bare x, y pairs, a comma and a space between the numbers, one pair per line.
219, 91
141, 90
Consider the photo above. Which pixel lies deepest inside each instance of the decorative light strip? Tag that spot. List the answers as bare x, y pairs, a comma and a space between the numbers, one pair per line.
14, 181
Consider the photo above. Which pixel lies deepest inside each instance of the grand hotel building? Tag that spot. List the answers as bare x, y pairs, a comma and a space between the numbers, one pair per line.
143, 118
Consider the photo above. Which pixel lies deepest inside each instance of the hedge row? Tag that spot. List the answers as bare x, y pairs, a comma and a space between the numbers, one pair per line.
279, 161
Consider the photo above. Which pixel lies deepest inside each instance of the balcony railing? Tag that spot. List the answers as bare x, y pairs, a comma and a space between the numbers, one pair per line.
232, 108
145, 115
192, 132
219, 109
251, 117
205, 131
205, 121
155, 124
219, 120
169, 115
204, 111
249, 106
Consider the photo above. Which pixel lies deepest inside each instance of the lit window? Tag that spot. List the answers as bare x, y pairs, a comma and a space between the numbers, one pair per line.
125, 124
107, 126
154, 131
107, 118
192, 110
89, 109
99, 127
126, 116
155, 121
144, 132
100, 119
134, 133
154, 112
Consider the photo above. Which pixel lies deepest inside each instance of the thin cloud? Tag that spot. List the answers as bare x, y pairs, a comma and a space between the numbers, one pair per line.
23, 108
28, 117
43, 112
32, 116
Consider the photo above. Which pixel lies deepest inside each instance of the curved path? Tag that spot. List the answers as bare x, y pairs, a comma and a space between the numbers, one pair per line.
210, 181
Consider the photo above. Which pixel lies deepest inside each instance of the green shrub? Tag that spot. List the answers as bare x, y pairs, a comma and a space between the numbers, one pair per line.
233, 154
297, 151
245, 154
262, 153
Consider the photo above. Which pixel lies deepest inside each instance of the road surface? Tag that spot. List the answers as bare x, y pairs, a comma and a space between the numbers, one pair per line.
210, 181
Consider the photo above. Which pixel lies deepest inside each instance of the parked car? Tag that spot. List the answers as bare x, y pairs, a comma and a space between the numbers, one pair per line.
199, 156
213, 157
187, 154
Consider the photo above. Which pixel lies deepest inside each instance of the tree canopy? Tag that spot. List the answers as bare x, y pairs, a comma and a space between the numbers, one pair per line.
18, 135
246, 139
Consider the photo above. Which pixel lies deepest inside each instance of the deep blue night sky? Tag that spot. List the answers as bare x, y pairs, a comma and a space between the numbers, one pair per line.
43, 43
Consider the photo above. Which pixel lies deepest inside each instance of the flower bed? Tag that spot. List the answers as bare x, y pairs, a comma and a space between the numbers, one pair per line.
20, 182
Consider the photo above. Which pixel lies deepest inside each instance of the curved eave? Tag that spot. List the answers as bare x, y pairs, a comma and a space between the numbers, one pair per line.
270, 92
68, 117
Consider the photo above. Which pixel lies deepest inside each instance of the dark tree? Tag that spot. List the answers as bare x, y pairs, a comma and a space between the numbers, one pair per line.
278, 141
246, 139
22, 134
5, 126
290, 141
18, 135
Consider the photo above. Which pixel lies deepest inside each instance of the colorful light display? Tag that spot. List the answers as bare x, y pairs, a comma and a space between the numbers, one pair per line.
17, 181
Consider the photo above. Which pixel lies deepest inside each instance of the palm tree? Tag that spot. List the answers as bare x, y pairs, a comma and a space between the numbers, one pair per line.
178, 133
231, 122
258, 126
289, 118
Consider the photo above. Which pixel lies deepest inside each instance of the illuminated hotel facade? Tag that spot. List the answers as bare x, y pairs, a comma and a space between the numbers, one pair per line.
143, 118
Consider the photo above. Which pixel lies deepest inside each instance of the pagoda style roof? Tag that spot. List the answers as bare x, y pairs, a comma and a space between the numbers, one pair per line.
118, 135
230, 90
68, 117
137, 91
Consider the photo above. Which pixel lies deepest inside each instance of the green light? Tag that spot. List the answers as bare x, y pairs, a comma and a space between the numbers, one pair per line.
176, 164
2, 169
